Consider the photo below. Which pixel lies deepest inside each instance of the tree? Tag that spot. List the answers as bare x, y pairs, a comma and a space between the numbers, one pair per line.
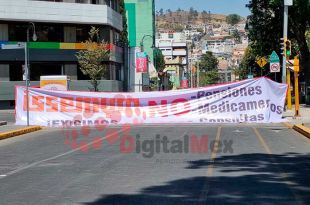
191, 11
205, 15
191, 14
208, 67
91, 60
265, 31
124, 32
208, 62
161, 12
208, 78
159, 60
247, 63
233, 19
236, 36
196, 14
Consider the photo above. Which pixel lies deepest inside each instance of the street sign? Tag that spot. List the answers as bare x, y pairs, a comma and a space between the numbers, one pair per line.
250, 76
141, 62
13, 46
288, 2
274, 58
262, 62
275, 66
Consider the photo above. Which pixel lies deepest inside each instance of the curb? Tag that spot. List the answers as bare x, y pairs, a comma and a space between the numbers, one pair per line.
3, 123
18, 132
302, 130
288, 125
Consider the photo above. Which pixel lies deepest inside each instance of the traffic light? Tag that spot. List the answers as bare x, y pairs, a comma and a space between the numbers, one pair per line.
283, 40
288, 48
296, 64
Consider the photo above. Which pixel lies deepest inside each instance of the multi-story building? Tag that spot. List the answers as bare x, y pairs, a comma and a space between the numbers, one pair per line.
218, 45
173, 45
141, 32
60, 27
174, 48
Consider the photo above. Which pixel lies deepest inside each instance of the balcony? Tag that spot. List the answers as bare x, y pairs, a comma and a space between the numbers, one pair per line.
179, 53
54, 52
59, 12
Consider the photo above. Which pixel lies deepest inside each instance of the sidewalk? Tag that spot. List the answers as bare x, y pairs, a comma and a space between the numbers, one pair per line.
304, 116
300, 124
8, 116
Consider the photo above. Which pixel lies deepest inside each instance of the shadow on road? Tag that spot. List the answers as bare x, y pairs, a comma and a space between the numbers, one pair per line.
239, 179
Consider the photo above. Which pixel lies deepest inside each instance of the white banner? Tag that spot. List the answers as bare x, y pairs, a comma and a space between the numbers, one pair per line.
258, 100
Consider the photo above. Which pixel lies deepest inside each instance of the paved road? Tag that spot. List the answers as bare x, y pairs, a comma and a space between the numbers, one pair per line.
7, 115
269, 164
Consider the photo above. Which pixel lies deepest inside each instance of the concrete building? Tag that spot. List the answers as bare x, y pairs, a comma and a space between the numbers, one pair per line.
175, 49
141, 30
218, 45
60, 27
173, 45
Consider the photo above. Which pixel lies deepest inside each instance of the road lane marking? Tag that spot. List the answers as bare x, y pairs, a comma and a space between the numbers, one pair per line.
210, 168
63, 154
281, 172
262, 141
214, 152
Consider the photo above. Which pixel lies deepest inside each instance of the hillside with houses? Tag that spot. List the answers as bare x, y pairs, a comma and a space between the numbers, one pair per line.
185, 37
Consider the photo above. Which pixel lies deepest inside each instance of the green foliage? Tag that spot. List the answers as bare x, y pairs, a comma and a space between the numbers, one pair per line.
159, 60
174, 27
208, 69
161, 12
308, 38
124, 32
200, 30
205, 16
233, 19
91, 59
208, 78
236, 36
247, 62
265, 28
208, 62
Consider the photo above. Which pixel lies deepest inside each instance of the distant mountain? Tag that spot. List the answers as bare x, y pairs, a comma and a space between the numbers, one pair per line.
179, 20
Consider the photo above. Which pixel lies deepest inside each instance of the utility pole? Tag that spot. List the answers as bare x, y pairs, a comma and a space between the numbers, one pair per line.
198, 75
191, 71
287, 3
296, 86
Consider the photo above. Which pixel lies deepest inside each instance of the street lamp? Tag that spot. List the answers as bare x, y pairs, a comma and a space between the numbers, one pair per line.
152, 47
142, 41
34, 38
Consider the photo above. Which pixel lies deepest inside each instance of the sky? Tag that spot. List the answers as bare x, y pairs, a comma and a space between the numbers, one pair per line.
215, 6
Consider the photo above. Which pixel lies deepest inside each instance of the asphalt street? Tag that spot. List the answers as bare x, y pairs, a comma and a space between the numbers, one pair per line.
8, 116
241, 164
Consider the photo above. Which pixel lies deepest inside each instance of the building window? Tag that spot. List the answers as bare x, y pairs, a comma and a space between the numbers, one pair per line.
81, 1
82, 33
170, 35
44, 32
50, 33
43, 69
16, 72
